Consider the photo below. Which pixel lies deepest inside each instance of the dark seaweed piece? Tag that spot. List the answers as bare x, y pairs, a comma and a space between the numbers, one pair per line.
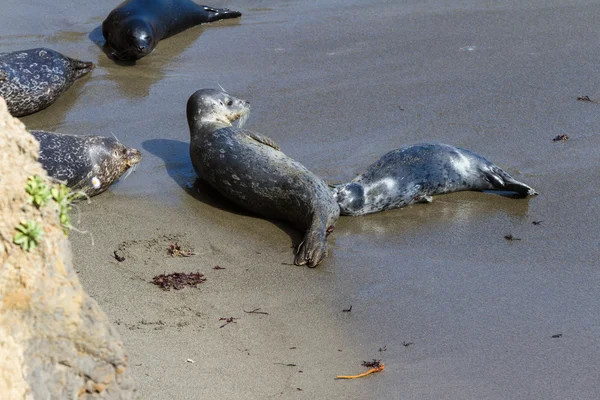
372, 364
217, 267
256, 311
560, 138
228, 320
511, 238
406, 344
384, 348
348, 309
558, 335
537, 222
118, 257
584, 98
178, 280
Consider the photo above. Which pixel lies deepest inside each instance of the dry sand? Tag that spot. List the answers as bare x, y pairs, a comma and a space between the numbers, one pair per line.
337, 84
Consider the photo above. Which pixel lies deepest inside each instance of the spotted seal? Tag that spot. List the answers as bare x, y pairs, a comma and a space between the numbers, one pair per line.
85, 163
250, 170
31, 80
134, 28
414, 173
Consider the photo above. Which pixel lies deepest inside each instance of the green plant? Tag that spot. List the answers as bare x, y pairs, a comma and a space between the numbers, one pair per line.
64, 197
38, 190
29, 234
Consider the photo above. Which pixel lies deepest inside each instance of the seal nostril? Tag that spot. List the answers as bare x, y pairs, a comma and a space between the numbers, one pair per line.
141, 48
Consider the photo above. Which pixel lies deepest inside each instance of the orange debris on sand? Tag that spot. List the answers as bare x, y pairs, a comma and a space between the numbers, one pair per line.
372, 370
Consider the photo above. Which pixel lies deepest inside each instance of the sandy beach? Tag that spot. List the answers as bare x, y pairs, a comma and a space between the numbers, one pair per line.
453, 309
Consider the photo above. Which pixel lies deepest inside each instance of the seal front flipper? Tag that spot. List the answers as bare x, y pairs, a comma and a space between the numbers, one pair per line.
215, 14
313, 248
262, 139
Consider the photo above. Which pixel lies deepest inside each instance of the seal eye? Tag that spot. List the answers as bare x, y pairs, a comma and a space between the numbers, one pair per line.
230, 103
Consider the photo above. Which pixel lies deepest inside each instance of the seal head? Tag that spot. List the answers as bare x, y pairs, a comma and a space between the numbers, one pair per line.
85, 163
133, 39
249, 169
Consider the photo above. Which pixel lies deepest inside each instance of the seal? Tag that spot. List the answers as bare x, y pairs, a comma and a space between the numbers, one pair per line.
31, 80
89, 164
413, 174
249, 169
134, 28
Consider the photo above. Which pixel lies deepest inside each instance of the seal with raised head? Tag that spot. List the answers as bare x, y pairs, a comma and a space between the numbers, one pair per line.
134, 28
413, 174
31, 80
250, 170
89, 164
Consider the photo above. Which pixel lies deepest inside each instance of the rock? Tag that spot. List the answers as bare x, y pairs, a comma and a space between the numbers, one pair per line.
55, 341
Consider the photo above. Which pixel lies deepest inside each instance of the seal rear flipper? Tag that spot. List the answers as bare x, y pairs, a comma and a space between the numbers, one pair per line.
312, 250
215, 14
81, 67
500, 180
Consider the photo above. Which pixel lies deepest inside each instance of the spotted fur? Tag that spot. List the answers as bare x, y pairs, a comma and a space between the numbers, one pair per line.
250, 170
84, 163
414, 173
31, 80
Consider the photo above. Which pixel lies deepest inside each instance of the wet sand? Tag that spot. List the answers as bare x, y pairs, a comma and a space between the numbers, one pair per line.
336, 84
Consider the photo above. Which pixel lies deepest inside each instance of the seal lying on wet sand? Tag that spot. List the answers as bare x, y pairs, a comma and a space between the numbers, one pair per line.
31, 80
134, 28
85, 163
249, 169
413, 174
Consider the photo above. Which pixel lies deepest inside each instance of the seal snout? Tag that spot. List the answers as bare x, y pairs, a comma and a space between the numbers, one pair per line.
133, 156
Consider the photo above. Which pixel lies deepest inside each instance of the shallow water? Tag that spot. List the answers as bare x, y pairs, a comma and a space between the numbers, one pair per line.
336, 84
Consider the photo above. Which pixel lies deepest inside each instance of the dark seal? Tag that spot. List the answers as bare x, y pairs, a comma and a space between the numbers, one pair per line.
250, 170
89, 164
31, 80
134, 28
413, 174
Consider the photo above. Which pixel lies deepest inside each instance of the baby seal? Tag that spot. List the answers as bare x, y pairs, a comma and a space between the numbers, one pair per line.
134, 28
89, 164
31, 80
250, 170
413, 174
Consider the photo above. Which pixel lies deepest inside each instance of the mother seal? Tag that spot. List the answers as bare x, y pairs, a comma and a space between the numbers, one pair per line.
414, 173
89, 164
250, 170
134, 28
31, 80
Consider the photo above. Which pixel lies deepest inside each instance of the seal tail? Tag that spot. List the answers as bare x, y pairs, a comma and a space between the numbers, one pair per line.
81, 67
215, 14
500, 180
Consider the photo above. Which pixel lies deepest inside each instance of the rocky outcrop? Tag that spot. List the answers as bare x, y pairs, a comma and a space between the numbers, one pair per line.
55, 341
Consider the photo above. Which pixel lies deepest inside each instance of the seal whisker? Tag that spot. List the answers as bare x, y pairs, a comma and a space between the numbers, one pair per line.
115, 136
242, 120
219, 85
